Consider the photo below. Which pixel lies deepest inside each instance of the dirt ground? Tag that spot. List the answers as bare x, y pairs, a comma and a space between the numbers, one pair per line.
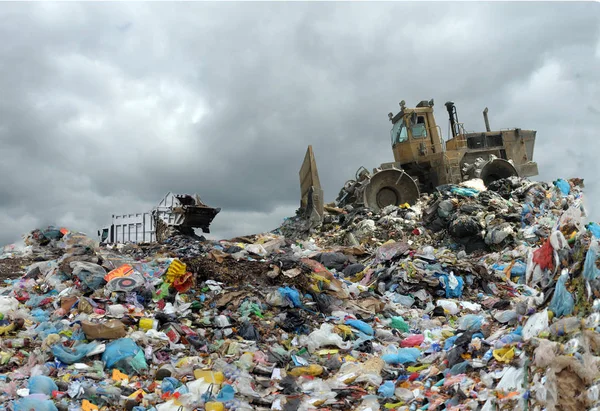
239, 273
11, 268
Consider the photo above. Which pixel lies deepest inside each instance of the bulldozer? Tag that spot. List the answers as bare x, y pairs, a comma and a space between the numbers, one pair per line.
424, 162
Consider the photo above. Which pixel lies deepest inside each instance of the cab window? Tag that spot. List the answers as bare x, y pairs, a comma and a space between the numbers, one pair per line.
399, 133
419, 130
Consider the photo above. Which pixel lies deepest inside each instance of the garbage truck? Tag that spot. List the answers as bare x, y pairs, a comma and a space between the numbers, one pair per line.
424, 161
175, 213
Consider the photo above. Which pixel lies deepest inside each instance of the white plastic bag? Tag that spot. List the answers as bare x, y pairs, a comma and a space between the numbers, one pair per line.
535, 325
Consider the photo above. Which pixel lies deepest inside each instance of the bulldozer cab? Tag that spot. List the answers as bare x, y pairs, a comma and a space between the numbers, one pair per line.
415, 135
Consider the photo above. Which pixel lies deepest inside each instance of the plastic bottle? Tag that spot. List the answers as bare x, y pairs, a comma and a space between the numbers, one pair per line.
507, 340
565, 326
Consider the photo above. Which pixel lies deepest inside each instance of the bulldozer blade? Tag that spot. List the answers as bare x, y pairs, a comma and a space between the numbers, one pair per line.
311, 193
390, 187
497, 169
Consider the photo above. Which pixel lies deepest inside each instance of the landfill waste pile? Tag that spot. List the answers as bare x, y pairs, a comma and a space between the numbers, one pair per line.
472, 299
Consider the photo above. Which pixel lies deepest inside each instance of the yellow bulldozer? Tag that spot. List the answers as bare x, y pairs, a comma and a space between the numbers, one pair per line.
424, 161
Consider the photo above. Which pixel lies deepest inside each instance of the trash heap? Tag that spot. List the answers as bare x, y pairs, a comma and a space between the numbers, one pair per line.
473, 298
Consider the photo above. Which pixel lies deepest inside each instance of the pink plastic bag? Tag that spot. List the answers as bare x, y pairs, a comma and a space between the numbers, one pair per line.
413, 341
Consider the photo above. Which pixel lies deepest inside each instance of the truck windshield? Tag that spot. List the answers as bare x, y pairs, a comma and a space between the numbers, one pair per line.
398, 133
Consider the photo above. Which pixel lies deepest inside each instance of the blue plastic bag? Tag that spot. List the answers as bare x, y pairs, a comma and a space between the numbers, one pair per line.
386, 390
227, 393
361, 326
562, 302
563, 186
590, 271
464, 191
124, 354
119, 350
33, 402
449, 343
470, 322
40, 315
291, 295
452, 290
169, 385
74, 354
594, 229
402, 356
40, 384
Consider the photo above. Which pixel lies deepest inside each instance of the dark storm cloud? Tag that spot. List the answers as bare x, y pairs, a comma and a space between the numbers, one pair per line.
107, 106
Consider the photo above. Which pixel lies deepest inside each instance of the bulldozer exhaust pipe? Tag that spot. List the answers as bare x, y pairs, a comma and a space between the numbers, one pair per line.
487, 121
453, 117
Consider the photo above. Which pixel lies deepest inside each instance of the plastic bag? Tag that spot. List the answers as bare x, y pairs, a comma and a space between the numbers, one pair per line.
470, 322
91, 275
563, 186
74, 354
505, 316
413, 340
325, 336
399, 324
257, 249
40, 384
8, 304
562, 302
544, 256
40, 315
452, 284
464, 191
34, 402
248, 332
402, 356
594, 228
169, 385
449, 306
291, 295
388, 251
558, 240
386, 390
361, 326
590, 271
535, 325
124, 353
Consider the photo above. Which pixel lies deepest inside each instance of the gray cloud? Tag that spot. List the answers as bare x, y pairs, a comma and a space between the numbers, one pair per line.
107, 106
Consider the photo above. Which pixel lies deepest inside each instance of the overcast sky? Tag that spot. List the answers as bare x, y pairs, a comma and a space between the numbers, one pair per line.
105, 107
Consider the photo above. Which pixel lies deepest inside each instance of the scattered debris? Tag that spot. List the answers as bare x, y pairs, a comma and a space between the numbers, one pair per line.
470, 298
